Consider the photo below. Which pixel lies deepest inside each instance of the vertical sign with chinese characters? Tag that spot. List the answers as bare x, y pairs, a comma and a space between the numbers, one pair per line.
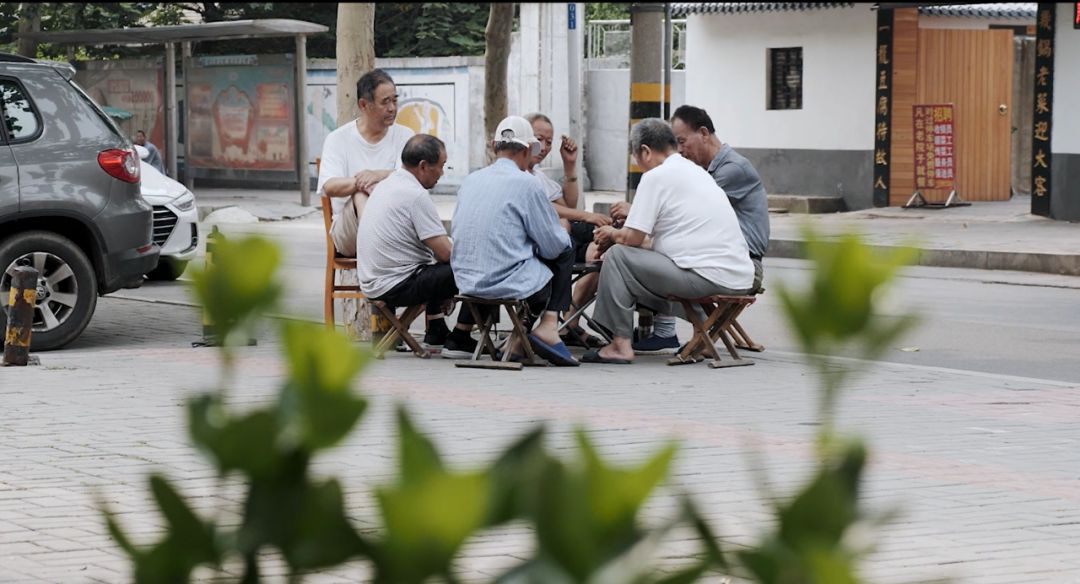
882, 110
1044, 103
935, 154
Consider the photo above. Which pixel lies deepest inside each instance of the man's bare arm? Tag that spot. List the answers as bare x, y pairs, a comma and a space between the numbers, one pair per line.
564, 211
363, 181
440, 245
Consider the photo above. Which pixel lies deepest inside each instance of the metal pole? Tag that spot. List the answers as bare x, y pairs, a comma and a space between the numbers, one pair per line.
668, 42
647, 92
301, 123
172, 137
185, 64
23, 297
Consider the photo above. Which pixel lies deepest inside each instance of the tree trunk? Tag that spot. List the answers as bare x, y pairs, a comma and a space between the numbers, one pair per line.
496, 56
355, 56
29, 21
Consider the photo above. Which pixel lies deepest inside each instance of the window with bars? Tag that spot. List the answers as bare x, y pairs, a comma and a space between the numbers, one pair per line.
785, 78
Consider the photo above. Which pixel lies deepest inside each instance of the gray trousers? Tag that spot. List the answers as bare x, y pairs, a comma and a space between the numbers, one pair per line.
633, 277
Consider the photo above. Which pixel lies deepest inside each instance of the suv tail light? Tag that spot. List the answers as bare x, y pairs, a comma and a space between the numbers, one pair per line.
120, 164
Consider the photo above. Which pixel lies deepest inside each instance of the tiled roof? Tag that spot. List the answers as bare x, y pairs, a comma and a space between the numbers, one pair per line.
1017, 10
684, 8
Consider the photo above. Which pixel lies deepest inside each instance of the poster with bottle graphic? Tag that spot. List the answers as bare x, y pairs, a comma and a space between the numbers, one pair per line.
242, 112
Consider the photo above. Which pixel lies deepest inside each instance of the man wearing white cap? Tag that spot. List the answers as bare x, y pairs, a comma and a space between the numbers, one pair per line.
508, 242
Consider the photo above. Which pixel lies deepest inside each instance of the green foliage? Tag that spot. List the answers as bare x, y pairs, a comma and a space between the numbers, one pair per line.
585, 513
430, 29
607, 10
840, 313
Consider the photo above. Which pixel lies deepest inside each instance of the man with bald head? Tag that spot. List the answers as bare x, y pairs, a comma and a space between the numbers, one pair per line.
403, 252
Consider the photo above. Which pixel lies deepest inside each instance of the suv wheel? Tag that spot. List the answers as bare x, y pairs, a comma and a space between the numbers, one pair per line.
66, 291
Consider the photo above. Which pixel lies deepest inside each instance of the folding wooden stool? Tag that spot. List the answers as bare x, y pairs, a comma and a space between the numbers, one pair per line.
721, 311
517, 309
400, 329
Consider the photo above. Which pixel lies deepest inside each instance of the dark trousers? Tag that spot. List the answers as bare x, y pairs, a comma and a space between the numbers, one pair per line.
581, 234
556, 294
431, 285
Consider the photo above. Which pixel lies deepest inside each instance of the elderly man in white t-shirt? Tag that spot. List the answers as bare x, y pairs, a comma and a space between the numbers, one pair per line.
359, 154
697, 250
403, 251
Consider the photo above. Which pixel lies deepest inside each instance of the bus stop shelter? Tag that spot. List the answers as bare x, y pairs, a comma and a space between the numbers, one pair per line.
185, 35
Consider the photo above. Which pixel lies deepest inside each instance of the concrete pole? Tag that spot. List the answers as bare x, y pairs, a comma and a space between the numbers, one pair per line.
301, 125
574, 57
648, 95
172, 137
185, 64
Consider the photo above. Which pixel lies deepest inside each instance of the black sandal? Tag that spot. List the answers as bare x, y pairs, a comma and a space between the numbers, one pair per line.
579, 337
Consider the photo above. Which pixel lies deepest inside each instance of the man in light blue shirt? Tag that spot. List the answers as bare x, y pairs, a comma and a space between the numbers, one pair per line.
508, 242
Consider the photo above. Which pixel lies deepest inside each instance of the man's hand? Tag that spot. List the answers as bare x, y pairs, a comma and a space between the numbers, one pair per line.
604, 237
568, 150
619, 211
366, 180
598, 220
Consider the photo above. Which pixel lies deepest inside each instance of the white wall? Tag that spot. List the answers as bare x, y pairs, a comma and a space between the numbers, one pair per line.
608, 93
1066, 130
726, 74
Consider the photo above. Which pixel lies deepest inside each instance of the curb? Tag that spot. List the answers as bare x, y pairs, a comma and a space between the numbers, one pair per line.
1047, 263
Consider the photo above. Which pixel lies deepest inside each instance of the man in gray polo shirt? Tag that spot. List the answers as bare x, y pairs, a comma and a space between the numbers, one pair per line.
402, 250
735, 174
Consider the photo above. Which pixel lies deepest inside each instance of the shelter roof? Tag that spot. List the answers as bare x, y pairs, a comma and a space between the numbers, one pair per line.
210, 31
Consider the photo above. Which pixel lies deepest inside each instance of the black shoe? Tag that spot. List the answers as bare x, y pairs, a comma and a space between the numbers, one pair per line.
436, 334
459, 345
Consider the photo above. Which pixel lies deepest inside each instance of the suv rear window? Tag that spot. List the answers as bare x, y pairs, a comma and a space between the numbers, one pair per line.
20, 119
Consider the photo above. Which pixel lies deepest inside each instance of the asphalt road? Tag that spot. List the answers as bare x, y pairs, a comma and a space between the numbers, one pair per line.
999, 322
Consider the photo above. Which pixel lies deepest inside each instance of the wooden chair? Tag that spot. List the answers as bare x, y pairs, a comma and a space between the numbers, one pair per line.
334, 263
399, 330
486, 320
721, 312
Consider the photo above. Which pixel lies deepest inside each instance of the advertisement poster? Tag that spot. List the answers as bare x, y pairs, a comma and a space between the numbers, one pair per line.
134, 88
935, 155
241, 115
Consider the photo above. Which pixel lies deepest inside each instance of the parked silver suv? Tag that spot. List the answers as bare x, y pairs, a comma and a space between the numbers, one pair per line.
70, 204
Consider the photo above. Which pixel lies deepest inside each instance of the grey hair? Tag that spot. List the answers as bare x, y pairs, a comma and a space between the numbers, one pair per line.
513, 147
654, 133
422, 148
539, 116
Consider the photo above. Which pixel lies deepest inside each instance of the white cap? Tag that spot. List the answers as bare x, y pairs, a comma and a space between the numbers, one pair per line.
518, 130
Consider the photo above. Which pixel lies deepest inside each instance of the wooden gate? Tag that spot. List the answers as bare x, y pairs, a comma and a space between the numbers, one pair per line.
972, 69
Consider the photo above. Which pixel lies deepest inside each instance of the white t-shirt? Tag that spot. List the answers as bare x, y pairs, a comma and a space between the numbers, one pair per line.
397, 219
552, 189
345, 152
691, 221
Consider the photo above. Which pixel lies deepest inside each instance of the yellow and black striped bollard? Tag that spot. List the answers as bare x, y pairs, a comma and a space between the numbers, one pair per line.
20, 318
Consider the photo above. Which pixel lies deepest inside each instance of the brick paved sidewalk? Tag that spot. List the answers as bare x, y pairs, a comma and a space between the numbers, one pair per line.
983, 467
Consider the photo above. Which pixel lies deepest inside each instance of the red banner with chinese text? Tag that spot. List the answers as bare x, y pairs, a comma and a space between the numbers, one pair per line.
935, 151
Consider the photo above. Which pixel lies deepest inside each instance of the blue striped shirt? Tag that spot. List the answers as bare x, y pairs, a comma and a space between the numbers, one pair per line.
501, 224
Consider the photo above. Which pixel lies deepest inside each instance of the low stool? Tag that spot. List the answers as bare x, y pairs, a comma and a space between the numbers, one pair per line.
485, 311
720, 311
400, 329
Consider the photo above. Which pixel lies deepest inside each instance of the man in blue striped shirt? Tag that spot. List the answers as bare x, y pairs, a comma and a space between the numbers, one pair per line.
508, 242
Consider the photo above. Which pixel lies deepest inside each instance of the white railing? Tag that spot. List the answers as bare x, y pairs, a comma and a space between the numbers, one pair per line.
607, 44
